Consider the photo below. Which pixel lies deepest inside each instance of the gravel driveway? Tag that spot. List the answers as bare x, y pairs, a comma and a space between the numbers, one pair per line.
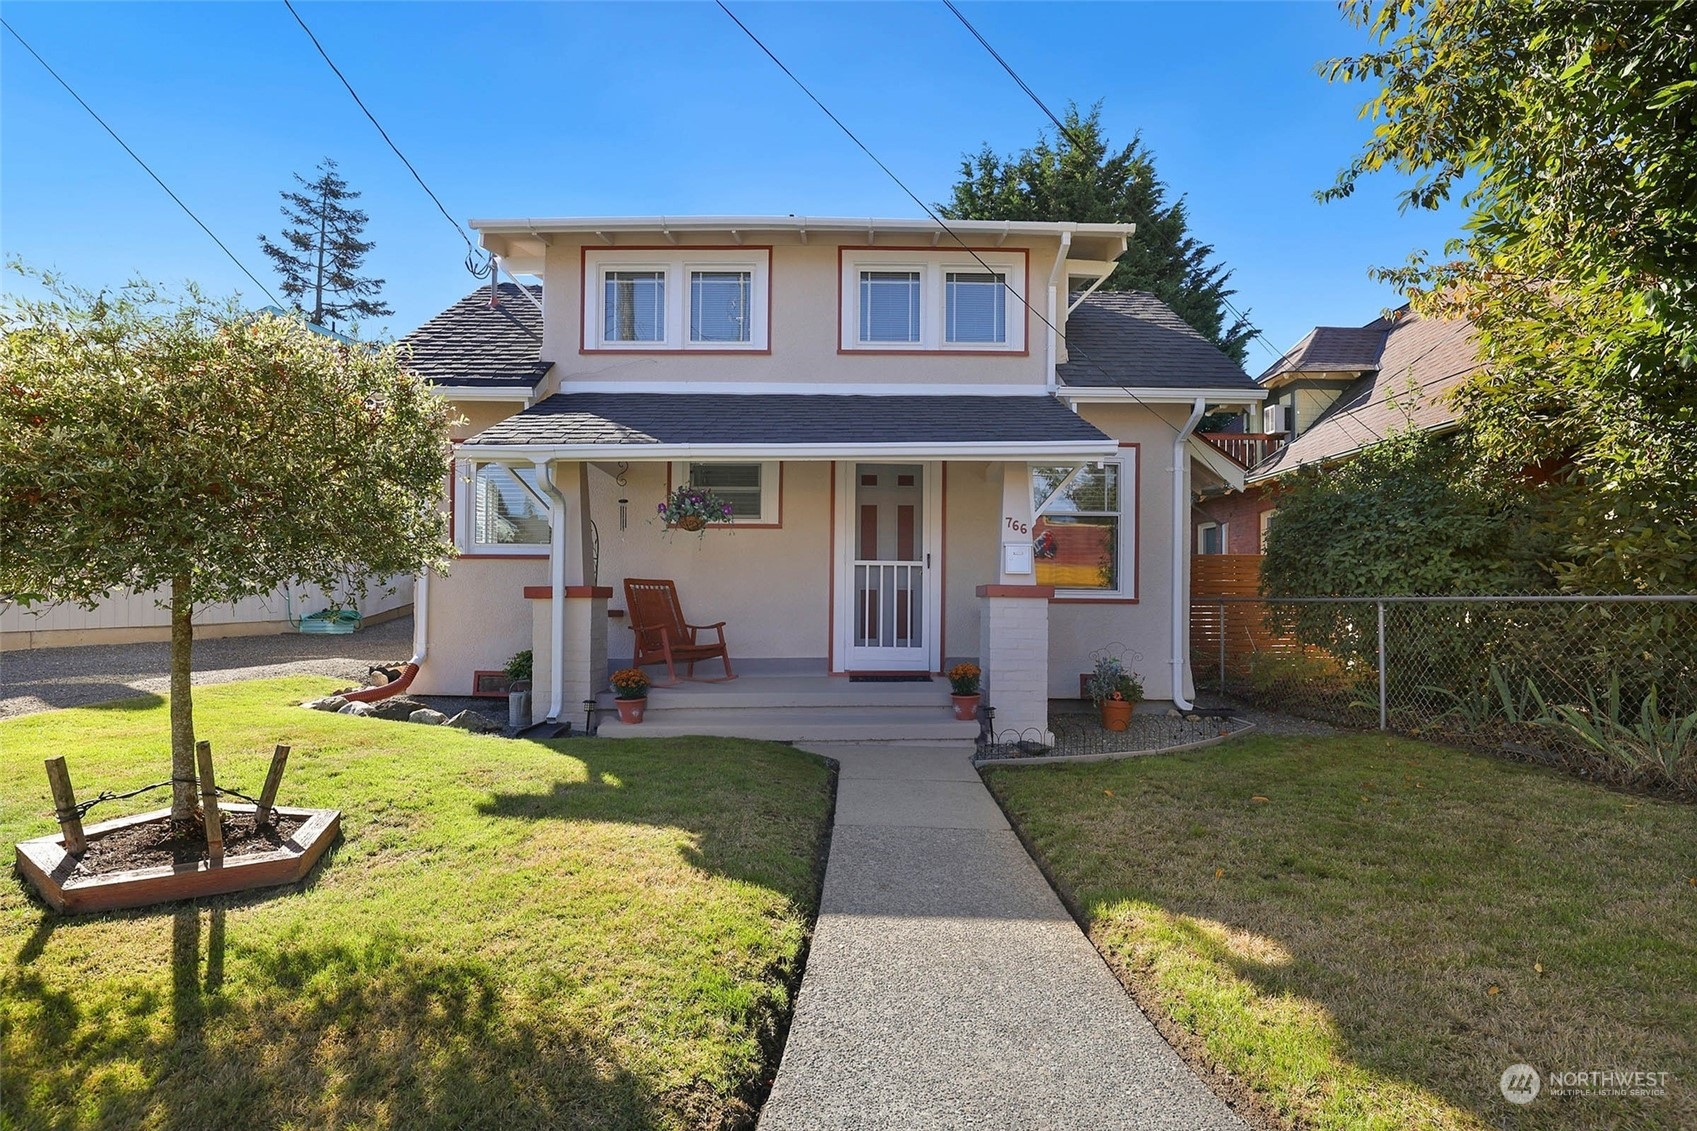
43, 679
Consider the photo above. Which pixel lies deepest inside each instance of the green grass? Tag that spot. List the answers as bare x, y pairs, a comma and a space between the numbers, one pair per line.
510, 934
1366, 932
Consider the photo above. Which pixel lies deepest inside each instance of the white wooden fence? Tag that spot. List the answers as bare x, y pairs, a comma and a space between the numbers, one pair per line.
128, 617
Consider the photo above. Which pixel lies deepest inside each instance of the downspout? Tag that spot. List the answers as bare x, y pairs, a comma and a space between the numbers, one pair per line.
1057, 278
557, 589
1180, 471
420, 618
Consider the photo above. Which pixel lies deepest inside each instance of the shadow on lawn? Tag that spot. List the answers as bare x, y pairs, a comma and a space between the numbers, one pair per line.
734, 813
375, 1034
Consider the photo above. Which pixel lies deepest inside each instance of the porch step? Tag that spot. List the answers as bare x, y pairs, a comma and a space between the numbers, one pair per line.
932, 723
764, 691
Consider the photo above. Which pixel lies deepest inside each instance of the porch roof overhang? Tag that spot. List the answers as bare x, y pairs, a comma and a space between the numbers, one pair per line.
701, 426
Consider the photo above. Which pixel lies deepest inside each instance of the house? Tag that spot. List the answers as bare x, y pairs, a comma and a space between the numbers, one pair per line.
1336, 391
938, 443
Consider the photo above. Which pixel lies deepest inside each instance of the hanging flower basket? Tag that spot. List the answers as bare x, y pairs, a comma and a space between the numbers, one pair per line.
694, 509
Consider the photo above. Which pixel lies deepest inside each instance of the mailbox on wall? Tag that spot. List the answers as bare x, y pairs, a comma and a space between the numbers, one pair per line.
1017, 558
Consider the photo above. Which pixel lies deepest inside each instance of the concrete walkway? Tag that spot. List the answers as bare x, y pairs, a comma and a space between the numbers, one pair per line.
947, 986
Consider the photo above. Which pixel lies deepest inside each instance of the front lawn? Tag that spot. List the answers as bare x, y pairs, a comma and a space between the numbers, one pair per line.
1367, 931
511, 934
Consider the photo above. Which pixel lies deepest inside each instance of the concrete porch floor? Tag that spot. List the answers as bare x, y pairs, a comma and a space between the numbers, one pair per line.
796, 708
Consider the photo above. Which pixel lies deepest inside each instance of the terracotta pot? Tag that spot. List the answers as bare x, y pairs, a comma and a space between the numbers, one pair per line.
630, 710
966, 706
691, 523
1116, 713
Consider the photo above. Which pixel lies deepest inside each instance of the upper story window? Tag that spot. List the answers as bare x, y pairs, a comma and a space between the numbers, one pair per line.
633, 308
903, 299
676, 299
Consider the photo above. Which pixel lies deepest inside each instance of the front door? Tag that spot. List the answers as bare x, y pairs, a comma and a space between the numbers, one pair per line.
888, 591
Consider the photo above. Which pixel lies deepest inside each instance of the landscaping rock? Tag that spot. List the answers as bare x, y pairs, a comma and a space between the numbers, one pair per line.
328, 703
398, 709
427, 716
474, 722
359, 710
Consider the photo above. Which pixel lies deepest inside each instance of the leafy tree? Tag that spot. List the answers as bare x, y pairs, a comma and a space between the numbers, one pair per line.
1074, 177
1403, 518
1569, 127
322, 252
150, 440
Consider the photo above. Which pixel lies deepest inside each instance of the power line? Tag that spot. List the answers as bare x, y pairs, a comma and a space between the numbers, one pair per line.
145, 167
471, 249
932, 215
1078, 143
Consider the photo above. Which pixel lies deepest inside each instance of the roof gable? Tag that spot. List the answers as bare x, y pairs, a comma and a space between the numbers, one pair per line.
1421, 363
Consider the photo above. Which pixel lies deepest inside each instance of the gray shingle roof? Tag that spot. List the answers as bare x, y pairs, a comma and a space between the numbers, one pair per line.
470, 344
776, 420
1334, 349
1422, 362
1133, 339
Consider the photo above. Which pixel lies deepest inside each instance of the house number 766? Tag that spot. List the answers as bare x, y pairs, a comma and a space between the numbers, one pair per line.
1017, 526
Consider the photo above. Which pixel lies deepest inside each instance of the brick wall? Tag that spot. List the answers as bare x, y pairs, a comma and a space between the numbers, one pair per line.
1241, 511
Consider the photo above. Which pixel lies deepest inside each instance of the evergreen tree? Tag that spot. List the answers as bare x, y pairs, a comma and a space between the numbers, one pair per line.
322, 252
1076, 178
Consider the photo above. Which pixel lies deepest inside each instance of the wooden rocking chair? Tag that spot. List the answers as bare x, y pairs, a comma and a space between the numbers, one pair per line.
663, 635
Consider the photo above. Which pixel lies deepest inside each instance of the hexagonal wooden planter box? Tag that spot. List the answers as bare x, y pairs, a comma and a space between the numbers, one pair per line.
48, 867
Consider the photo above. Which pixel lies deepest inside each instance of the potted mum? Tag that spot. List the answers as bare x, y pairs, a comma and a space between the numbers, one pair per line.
963, 684
630, 693
694, 509
1115, 690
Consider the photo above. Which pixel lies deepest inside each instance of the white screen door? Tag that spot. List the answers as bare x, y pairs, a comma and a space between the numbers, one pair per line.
888, 593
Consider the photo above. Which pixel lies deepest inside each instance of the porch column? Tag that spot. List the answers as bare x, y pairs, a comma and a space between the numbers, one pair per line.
1013, 650
584, 670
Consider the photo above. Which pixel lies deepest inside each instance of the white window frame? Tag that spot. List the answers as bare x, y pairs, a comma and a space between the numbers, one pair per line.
934, 269
677, 266
1127, 578
1201, 544
1266, 521
770, 485
465, 514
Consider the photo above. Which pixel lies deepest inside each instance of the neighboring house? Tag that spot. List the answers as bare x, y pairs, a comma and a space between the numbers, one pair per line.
1336, 391
922, 471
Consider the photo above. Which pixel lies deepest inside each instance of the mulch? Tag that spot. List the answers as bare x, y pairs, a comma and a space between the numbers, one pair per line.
157, 844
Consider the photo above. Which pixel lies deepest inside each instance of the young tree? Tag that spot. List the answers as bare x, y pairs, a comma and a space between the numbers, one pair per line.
1572, 127
1076, 178
323, 251
149, 440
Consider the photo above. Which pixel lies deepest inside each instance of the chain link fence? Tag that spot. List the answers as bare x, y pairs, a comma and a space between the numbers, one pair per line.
1606, 684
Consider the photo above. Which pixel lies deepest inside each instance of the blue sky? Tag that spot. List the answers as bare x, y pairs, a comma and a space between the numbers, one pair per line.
529, 109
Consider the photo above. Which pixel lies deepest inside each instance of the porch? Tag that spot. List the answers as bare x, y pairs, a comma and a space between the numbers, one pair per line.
797, 707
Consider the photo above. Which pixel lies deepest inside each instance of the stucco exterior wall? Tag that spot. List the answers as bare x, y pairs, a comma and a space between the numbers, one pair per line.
1142, 630
478, 620
972, 505
769, 585
479, 415
805, 326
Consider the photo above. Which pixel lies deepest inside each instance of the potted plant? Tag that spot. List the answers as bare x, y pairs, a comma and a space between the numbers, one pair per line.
630, 693
963, 684
1115, 690
694, 509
